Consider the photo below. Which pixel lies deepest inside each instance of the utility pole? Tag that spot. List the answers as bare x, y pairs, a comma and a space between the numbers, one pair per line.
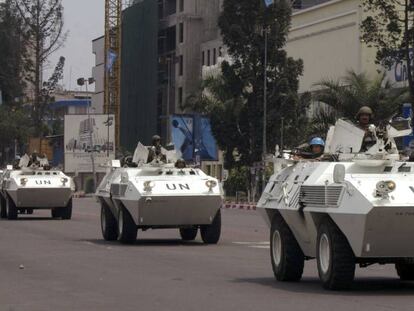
167, 139
264, 109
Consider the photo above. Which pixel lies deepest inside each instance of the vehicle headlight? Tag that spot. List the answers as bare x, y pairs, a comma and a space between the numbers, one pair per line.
124, 177
64, 180
211, 184
391, 185
148, 185
384, 187
23, 181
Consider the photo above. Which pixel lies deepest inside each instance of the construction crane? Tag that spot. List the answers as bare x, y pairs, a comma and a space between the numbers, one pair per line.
113, 49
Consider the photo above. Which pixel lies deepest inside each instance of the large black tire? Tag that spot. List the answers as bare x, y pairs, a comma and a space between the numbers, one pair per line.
66, 212
285, 253
3, 207
335, 258
127, 230
210, 234
405, 271
109, 226
188, 234
12, 210
56, 212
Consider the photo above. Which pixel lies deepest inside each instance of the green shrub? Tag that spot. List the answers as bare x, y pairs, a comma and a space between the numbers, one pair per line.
236, 181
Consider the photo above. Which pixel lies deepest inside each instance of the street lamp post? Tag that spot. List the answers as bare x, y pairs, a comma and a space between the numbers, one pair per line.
86, 82
168, 98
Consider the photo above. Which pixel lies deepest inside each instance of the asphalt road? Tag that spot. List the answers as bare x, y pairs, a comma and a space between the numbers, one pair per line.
65, 265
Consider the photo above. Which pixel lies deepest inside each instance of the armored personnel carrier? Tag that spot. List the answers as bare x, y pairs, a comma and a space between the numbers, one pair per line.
348, 208
32, 184
161, 194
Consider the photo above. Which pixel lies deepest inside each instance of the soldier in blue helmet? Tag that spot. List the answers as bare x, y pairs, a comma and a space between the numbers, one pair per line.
313, 151
317, 146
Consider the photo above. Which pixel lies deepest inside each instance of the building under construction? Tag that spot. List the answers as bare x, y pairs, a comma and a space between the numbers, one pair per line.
165, 44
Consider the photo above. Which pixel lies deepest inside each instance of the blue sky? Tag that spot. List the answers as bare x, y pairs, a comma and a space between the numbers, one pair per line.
85, 21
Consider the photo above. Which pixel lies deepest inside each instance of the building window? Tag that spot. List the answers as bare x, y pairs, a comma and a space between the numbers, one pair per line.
208, 57
160, 9
297, 4
203, 58
181, 33
181, 5
181, 65
171, 7
180, 95
214, 56
170, 39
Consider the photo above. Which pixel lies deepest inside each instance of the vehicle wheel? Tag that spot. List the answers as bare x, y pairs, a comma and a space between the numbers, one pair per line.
66, 212
335, 258
127, 230
188, 234
210, 234
108, 224
3, 208
11, 208
285, 253
405, 271
56, 212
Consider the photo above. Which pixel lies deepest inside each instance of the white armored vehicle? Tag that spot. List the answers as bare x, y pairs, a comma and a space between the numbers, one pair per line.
32, 186
348, 208
159, 195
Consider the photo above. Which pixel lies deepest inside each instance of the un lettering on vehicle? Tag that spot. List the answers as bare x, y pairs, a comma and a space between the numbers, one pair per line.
174, 187
43, 182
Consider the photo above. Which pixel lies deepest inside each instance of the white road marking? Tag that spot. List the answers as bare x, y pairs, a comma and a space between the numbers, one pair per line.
253, 243
257, 244
260, 246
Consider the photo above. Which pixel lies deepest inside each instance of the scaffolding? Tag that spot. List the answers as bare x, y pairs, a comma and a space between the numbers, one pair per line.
113, 37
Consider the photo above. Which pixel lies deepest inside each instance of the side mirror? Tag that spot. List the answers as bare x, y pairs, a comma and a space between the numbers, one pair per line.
9, 167
339, 173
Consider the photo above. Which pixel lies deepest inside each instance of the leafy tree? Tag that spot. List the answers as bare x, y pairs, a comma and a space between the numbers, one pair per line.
43, 20
388, 26
237, 181
14, 119
47, 98
347, 95
243, 24
13, 126
13, 52
234, 100
321, 121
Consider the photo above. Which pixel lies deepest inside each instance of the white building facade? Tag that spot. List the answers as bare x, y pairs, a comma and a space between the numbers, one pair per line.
327, 37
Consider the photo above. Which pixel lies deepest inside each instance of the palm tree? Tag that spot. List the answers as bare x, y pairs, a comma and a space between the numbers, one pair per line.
347, 95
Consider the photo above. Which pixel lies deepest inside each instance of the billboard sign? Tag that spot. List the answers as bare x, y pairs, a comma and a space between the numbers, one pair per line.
182, 132
398, 74
408, 141
86, 134
193, 137
205, 143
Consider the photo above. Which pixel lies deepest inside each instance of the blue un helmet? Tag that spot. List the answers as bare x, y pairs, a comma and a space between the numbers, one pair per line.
317, 141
